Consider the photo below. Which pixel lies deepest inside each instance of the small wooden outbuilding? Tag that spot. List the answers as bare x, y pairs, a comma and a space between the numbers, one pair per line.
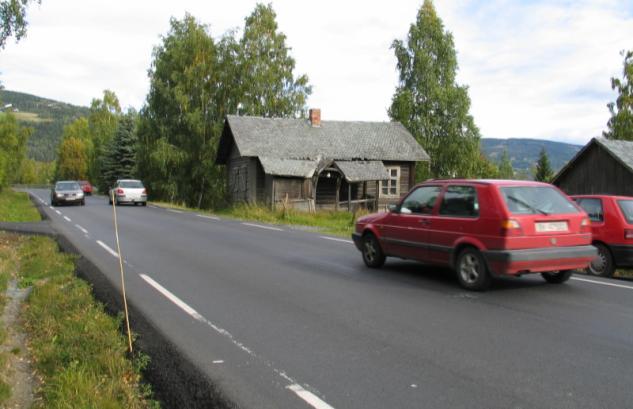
310, 164
602, 166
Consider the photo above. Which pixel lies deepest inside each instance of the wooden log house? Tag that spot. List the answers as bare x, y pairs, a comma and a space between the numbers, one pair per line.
312, 164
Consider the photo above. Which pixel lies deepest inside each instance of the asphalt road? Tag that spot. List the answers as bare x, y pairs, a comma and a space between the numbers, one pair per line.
283, 318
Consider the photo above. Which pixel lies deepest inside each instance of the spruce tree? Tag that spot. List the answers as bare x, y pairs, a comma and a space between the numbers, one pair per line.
120, 157
543, 172
505, 166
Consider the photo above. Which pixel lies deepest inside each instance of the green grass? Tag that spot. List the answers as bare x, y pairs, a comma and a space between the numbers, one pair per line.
77, 348
17, 207
339, 223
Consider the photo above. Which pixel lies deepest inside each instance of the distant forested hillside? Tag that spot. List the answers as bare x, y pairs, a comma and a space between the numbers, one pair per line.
524, 152
45, 116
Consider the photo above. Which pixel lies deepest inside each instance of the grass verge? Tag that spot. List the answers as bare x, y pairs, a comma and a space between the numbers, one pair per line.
17, 207
78, 350
339, 223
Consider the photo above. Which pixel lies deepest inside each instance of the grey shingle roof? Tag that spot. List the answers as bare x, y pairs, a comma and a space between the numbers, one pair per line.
622, 151
358, 171
288, 167
297, 139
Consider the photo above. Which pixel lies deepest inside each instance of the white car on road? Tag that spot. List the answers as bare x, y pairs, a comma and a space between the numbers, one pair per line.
128, 191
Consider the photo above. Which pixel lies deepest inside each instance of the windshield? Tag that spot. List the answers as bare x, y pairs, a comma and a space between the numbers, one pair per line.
67, 186
131, 184
536, 200
627, 209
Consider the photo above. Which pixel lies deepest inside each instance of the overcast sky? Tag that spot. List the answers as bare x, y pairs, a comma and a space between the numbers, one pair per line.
535, 69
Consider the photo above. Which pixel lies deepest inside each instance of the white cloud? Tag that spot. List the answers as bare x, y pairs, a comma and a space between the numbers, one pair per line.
534, 68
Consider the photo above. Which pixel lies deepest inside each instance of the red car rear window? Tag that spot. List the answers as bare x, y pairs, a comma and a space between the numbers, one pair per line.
627, 209
536, 200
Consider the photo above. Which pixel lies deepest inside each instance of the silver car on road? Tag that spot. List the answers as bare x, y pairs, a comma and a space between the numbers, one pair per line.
67, 192
128, 191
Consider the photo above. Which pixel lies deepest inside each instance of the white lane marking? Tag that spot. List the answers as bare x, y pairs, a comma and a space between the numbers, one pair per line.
335, 239
309, 397
262, 227
602, 283
67, 219
82, 229
218, 361
208, 217
174, 211
51, 207
108, 249
58, 212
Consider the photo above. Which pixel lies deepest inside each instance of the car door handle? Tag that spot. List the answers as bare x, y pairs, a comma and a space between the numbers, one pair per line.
425, 222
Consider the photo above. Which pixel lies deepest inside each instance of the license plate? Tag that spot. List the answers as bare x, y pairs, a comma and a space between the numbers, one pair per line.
547, 227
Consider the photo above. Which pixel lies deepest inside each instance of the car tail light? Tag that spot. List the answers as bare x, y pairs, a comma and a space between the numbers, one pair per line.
145, 192
120, 192
628, 234
511, 227
585, 225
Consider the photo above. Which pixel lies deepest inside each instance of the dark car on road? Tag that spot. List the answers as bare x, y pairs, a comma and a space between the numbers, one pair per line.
481, 229
67, 192
612, 228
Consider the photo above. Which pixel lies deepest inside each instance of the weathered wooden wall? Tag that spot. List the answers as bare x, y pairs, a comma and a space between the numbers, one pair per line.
595, 171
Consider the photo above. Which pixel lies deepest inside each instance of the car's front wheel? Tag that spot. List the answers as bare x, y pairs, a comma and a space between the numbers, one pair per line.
472, 272
602, 265
557, 277
372, 253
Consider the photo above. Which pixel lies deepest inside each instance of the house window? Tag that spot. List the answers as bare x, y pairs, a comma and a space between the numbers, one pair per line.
391, 186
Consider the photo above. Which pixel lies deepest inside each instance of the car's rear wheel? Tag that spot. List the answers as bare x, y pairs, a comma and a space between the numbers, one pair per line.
472, 272
83, 202
602, 265
144, 204
372, 253
557, 277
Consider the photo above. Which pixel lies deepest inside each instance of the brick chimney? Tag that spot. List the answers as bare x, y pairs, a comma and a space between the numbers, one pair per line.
315, 117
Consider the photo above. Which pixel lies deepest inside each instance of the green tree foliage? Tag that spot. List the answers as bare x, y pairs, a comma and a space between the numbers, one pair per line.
74, 151
506, 171
178, 130
428, 101
620, 125
543, 171
194, 83
485, 168
267, 85
33, 172
73, 160
13, 139
13, 19
103, 121
119, 160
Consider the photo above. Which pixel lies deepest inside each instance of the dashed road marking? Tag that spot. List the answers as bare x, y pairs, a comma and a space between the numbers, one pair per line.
208, 217
174, 211
58, 212
82, 229
262, 227
218, 361
307, 396
335, 239
108, 249
67, 219
585, 280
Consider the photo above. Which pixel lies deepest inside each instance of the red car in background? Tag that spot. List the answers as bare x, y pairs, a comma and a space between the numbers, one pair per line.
481, 229
86, 187
612, 228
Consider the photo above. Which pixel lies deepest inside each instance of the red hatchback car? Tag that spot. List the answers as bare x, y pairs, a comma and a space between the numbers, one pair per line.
482, 228
86, 187
612, 228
